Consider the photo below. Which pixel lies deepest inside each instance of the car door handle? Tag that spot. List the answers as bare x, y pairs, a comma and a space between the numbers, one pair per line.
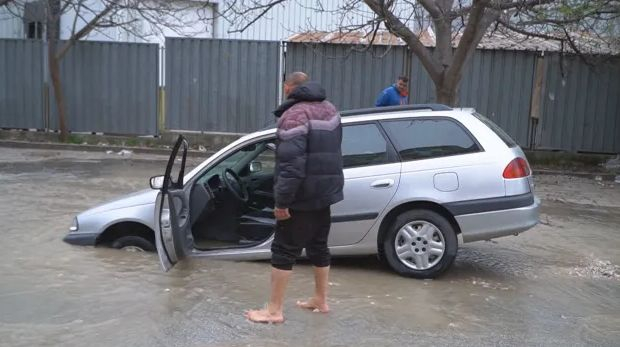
382, 183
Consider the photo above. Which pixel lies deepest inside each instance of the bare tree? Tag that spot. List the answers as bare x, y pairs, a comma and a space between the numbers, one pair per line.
87, 16
458, 26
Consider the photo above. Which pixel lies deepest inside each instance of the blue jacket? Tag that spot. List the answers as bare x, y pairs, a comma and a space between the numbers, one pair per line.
390, 96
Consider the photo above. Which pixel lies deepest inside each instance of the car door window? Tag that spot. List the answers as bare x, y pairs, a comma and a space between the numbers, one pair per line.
233, 161
267, 160
364, 145
429, 138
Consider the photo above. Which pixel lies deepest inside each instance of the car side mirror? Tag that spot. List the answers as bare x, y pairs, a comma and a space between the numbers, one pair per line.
256, 166
157, 182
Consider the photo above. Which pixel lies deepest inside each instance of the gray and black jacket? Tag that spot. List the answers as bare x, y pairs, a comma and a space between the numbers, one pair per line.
308, 155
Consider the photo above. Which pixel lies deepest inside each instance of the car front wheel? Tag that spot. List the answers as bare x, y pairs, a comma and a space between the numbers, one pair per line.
420, 244
133, 243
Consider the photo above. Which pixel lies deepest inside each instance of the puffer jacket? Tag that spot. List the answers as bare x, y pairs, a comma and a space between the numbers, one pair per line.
308, 156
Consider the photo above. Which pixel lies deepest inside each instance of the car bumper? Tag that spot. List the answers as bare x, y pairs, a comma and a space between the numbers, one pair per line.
81, 239
493, 224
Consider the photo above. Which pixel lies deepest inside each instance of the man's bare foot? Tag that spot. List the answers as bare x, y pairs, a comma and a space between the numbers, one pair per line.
314, 304
264, 316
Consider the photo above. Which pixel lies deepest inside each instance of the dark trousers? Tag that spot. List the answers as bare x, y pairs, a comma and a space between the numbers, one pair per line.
305, 229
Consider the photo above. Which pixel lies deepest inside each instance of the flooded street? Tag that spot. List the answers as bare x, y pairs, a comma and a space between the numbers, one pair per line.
558, 284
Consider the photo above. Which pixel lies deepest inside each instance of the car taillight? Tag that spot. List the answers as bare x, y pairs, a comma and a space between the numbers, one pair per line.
518, 168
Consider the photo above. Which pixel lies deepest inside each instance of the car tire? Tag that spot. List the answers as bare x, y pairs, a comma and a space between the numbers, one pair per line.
433, 233
132, 242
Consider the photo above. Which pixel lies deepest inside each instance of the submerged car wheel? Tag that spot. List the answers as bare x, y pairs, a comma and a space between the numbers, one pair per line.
133, 243
420, 244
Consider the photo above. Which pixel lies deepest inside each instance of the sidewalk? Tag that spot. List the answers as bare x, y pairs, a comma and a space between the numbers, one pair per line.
592, 172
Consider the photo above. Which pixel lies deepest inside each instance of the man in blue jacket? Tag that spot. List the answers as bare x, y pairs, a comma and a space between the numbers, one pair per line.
394, 95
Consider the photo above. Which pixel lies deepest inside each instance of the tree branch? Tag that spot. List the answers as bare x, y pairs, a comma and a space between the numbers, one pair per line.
477, 24
432, 8
502, 6
86, 29
77, 11
510, 27
395, 26
576, 49
265, 8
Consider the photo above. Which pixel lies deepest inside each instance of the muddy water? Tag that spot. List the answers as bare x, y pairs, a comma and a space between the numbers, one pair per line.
557, 284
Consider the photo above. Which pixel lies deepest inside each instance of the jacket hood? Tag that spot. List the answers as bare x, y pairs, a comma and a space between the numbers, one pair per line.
309, 91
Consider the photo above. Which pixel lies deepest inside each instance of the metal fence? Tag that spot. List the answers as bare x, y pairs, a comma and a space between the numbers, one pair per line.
499, 85
581, 106
221, 85
549, 102
579, 111
496, 83
110, 87
21, 84
351, 78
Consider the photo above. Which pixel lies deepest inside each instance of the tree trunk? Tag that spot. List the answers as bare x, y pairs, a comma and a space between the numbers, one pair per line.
59, 98
447, 93
53, 62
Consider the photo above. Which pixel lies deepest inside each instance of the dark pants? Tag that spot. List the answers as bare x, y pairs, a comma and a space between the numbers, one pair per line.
305, 229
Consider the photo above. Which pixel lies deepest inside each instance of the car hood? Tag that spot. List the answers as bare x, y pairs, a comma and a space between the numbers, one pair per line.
143, 197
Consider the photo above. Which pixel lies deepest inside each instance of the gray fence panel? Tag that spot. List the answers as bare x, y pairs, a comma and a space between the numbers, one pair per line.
110, 87
581, 107
352, 79
497, 84
21, 84
221, 85
420, 84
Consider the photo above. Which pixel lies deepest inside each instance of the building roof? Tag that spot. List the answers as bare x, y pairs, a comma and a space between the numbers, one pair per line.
495, 41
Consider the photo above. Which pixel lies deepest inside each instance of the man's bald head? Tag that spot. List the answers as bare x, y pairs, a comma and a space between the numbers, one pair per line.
294, 80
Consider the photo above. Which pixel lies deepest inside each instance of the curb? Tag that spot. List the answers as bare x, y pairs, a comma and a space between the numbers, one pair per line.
598, 176
92, 148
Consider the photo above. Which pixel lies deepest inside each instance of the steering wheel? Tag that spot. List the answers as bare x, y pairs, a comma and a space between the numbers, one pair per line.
234, 185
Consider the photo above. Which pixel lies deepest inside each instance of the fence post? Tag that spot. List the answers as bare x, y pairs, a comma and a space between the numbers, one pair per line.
536, 102
407, 70
281, 72
46, 88
161, 92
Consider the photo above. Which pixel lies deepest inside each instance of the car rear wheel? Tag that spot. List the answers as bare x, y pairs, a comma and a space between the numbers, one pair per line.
420, 244
133, 243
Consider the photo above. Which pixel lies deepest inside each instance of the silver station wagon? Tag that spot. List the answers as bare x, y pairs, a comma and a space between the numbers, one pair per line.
421, 180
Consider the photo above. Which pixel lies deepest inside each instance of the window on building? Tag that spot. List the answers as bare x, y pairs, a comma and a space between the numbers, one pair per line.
35, 30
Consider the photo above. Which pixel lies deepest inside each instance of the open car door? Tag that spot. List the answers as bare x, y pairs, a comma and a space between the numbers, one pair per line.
173, 235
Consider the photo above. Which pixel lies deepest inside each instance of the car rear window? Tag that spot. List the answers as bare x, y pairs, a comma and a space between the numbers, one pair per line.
497, 130
429, 138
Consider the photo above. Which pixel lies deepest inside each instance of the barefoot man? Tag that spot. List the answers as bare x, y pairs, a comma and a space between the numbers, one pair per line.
308, 180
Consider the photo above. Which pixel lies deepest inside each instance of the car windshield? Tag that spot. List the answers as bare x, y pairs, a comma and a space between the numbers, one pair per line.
236, 161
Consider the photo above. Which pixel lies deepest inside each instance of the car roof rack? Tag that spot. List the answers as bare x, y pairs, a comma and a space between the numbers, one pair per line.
414, 107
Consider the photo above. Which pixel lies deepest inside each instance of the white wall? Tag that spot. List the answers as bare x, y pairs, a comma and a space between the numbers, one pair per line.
142, 30
280, 23
283, 21
296, 16
11, 23
11, 27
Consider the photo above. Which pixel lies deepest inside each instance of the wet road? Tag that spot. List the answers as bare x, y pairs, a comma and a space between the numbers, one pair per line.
557, 284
